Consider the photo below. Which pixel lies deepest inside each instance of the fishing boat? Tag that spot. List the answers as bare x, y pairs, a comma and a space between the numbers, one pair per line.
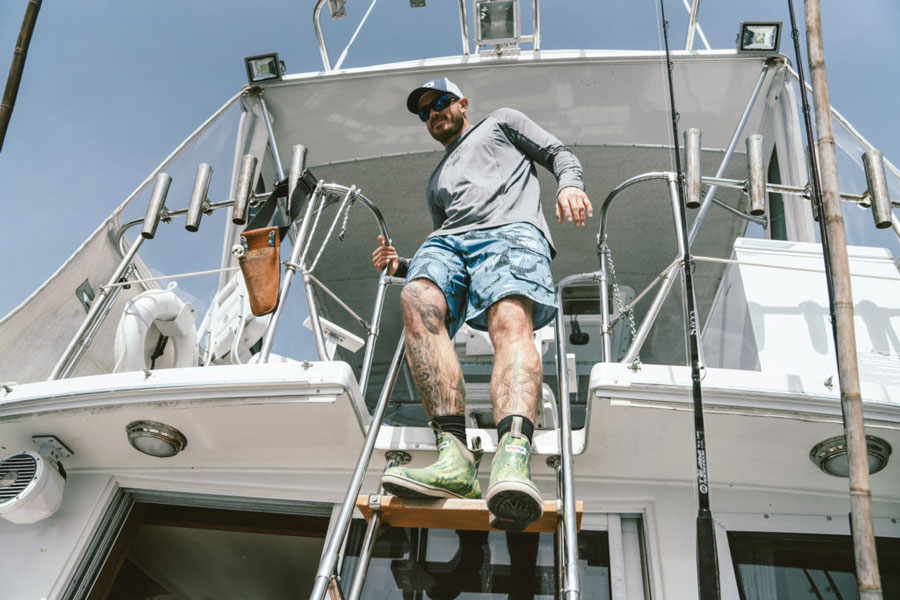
159, 440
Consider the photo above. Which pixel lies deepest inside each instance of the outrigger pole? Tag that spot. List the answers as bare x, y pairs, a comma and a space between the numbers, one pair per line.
17, 66
707, 564
826, 194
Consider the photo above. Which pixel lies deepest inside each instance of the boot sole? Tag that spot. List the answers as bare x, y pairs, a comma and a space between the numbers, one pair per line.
407, 488
514, 505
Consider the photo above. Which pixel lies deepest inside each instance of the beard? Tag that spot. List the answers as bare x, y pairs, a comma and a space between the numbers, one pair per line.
446, 128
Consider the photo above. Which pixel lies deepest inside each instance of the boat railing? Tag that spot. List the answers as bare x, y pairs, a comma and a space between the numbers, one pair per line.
304, 258
754, 187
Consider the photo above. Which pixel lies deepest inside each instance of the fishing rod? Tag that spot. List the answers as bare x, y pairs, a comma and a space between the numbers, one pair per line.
707, 564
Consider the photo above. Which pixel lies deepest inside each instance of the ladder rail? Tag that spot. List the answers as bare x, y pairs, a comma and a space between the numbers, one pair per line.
339, 532
572, 587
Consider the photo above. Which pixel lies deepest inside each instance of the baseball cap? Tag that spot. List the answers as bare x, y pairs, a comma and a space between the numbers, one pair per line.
441, 84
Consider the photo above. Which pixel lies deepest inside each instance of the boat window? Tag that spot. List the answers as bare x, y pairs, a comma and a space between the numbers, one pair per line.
167, 552
436, 563
797, 567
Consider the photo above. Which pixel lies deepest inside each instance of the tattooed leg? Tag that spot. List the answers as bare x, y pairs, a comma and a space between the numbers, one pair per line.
429, 350
518, 372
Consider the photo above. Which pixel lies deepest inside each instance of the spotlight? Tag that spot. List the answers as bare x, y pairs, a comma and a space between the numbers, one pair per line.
155, 439
496, 22
264, 67
759, 38
831, 455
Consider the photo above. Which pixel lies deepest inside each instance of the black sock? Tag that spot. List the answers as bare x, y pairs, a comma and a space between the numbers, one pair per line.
506, 425
455, 424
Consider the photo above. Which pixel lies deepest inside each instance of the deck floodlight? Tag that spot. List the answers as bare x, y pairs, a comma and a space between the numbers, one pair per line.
337, 8
242, 193
155, 439
157, 202
831, 455
877, 190
759, 37
496, 22
756, 175
196, 207
264, 67
692, 167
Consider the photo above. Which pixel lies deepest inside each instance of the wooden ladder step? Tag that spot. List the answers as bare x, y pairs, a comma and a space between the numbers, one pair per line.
471, 515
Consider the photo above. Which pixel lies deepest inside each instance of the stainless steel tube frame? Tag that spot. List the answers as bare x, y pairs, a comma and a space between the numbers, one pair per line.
365, 552
536, 23
95, 327
383, 282
319, 37
572, 589
290, 270
333, 544
642, 332
729, 152
666, 285
273, 145
464, 27
692, 25
64, 364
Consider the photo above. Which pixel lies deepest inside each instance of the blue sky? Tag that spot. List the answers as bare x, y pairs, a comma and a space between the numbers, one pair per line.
110, 88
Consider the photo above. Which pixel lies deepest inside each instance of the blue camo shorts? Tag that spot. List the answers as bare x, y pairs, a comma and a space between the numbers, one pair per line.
477, 268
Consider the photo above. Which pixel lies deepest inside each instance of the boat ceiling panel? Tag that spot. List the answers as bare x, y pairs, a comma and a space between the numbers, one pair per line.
582, 99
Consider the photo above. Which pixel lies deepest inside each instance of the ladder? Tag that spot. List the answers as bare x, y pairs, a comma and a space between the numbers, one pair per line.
562, 516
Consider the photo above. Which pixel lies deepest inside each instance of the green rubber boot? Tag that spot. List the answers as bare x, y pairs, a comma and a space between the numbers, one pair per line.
454, 475
512, 499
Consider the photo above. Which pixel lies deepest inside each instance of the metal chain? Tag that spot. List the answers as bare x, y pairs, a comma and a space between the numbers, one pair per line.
620, 306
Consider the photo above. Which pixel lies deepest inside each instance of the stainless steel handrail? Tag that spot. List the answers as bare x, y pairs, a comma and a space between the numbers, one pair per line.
342, 521
295, 264
319, 37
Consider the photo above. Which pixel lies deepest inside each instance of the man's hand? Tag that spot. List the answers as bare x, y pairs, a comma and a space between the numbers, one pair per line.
572, 204
383, 255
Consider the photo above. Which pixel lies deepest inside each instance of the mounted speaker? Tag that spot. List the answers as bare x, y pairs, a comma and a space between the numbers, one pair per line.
31, 487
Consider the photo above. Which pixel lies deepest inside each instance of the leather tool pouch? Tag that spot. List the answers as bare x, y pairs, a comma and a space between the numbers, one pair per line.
261, 267
261, 261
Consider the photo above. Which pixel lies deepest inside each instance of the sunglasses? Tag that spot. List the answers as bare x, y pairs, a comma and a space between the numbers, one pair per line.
439, 104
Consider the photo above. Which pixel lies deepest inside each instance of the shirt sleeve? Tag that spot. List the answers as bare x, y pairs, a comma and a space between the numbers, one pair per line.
541, 147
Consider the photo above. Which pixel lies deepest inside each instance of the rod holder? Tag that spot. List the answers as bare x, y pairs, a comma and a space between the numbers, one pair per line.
756, 175
693, 169
876, 187
242, 194
298, 165
198, 197
157, 202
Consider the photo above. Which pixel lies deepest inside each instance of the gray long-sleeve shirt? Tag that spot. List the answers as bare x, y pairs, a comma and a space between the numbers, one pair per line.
487, 178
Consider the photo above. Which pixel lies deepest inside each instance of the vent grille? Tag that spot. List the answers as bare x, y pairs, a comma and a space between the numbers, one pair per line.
16, 473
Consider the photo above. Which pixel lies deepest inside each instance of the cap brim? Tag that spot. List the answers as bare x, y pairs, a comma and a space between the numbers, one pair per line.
412, 101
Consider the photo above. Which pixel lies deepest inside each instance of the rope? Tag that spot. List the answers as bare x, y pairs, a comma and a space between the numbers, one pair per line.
164, 277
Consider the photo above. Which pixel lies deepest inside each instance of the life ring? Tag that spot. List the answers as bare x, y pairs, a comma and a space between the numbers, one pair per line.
147, 316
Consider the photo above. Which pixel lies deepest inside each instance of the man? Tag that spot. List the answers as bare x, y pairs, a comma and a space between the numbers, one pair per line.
486, 263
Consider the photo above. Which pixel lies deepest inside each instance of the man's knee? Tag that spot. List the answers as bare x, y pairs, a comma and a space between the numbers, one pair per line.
509, 319
424, 306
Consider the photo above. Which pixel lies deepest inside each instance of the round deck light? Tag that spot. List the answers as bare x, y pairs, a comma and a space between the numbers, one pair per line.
831, 455
155, 439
